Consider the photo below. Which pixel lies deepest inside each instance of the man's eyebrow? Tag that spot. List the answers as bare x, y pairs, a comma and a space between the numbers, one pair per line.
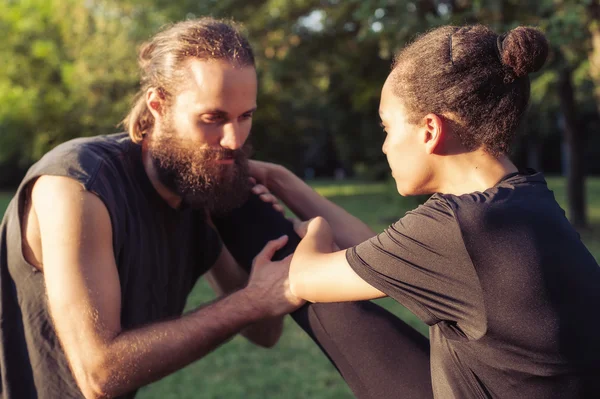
214, 111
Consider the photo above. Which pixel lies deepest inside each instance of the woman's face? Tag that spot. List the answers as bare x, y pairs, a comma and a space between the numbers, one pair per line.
404, 145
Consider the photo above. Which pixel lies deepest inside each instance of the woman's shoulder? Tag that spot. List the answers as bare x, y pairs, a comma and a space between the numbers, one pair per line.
525, 186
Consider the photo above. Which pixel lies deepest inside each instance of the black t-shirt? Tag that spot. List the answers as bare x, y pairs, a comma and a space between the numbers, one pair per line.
160, 252
508, 289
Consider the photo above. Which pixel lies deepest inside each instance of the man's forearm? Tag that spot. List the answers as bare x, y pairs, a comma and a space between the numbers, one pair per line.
225, 277
137, 357
306, 204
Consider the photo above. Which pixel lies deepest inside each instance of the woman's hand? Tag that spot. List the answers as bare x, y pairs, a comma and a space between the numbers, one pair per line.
260, 171
265, 195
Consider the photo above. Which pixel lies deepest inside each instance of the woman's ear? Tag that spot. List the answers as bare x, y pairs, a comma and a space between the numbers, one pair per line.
435, 130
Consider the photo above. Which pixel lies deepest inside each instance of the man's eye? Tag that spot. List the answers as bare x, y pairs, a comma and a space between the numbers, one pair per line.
247, 115
211, 118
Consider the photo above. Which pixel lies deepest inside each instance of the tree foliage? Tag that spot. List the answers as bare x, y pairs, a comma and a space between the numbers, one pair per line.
70, 70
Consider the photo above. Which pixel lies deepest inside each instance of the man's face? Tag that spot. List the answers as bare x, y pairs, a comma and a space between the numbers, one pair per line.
198, 145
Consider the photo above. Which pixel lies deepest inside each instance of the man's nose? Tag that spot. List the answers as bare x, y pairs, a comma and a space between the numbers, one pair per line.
233, 137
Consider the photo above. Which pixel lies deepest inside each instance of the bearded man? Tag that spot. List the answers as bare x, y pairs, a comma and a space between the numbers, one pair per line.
106, 236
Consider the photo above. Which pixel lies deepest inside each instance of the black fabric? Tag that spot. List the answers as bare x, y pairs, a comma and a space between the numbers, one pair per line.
160, 253
509, 291
246, 230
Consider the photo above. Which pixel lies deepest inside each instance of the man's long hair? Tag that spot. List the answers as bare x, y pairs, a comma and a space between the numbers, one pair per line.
162, 59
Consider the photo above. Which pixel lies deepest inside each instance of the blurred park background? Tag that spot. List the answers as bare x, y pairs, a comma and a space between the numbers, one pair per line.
69, 69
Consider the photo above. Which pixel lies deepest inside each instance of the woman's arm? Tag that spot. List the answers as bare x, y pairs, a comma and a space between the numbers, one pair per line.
318, 274
306, 203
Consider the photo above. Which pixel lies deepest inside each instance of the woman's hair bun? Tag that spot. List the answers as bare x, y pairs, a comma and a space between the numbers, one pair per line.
525, 50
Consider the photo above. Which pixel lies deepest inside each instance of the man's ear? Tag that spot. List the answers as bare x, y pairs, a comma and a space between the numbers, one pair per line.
155, 101
435, 132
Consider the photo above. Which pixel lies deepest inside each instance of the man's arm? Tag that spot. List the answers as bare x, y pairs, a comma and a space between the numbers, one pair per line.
84, 299
306, 203
225, 277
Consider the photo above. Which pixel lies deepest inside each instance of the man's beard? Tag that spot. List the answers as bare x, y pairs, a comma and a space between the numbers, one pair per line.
195, 174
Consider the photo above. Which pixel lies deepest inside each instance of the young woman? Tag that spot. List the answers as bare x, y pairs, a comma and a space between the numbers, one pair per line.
490, 261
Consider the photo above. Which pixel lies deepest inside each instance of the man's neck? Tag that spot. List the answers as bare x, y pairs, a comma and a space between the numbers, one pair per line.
172, 199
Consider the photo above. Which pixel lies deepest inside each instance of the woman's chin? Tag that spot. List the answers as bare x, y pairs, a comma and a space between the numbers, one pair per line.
406, 190
402, 190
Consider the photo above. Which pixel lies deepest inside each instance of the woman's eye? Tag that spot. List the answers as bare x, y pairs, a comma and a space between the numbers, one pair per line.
382, 125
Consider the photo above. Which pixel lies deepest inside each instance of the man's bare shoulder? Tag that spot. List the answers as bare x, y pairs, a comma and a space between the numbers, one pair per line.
64, 200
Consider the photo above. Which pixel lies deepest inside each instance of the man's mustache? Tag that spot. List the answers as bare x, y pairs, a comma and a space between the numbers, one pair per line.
219, 154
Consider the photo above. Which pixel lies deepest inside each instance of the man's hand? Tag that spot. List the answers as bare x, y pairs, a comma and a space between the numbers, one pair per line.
269, 287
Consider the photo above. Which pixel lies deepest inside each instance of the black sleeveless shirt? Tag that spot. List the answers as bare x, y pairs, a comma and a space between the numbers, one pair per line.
160, 252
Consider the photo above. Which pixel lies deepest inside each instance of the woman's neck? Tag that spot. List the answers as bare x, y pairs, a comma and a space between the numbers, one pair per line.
473, 171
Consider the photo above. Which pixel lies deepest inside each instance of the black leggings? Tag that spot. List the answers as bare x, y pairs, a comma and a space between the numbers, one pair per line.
377, 354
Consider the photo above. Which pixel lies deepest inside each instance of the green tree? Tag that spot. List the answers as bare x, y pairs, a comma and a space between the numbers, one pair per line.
70, 71
68, 67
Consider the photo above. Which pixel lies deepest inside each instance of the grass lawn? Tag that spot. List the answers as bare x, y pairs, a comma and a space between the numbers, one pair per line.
296, 368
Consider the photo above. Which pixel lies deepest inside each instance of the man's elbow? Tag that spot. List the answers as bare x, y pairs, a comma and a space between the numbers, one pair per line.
268, 342
266, 336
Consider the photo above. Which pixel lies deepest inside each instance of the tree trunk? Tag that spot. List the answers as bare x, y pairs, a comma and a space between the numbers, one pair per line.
573, 137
